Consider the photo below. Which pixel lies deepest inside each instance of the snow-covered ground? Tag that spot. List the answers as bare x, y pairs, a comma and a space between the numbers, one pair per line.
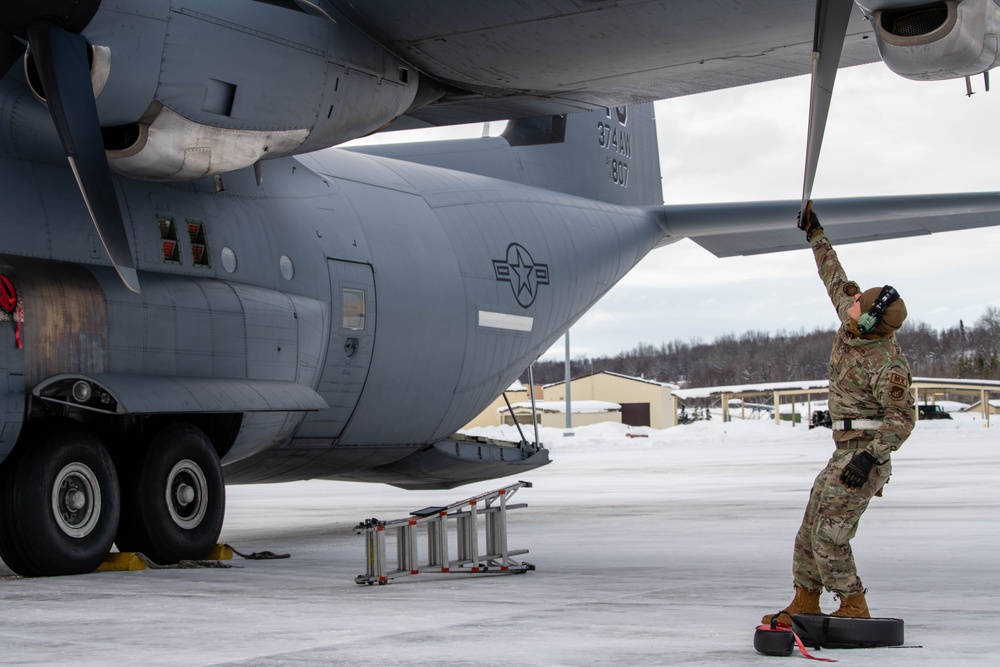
657, 550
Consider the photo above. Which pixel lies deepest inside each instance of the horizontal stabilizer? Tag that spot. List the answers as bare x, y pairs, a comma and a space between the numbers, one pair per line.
752, 228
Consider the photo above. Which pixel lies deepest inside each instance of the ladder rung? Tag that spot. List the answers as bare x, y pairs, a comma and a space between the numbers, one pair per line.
466, 539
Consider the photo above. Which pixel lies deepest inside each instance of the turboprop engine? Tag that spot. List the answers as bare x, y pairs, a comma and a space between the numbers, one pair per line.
938, 40
177, 100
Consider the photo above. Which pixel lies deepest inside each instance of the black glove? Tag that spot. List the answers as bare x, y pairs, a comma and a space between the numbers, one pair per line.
811, 223
856, 473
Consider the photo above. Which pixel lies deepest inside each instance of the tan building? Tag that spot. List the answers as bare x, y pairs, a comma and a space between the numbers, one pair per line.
553, 413
643, 402
516, 393
993, 407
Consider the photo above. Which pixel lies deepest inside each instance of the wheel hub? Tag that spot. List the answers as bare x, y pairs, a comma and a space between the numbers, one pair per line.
187, 494
76, 500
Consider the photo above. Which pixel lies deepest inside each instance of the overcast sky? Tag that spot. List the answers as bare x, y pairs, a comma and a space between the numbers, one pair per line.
886, 135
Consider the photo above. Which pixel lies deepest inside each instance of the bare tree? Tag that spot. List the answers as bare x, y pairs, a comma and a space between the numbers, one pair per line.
758, 356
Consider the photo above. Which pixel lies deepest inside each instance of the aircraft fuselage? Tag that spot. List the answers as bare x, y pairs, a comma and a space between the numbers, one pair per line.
407, 297
336, 315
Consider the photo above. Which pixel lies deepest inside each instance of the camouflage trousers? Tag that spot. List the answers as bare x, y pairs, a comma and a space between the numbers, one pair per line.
823, 556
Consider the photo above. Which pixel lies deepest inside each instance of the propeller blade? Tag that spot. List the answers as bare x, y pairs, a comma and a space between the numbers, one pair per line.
61, 60
832, 18
10, 51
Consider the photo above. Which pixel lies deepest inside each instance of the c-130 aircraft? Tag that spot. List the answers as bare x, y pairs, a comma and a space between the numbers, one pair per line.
194, 293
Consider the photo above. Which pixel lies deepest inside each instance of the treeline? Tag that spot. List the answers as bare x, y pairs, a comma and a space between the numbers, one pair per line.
757, 356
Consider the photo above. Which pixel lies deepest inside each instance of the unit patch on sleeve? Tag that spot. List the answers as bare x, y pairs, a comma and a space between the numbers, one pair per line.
897, 386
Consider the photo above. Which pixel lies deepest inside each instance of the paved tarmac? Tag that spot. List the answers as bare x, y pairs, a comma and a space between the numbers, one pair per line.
662, 550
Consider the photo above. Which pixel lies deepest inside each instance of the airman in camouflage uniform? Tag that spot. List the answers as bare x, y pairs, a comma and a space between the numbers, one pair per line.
873, 413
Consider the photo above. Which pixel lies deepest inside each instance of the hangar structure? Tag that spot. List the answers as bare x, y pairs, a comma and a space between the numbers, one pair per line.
607, 396
982, 392
775, 394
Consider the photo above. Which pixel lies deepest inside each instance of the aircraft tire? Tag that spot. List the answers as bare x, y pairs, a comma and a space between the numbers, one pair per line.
174, 497
59, 503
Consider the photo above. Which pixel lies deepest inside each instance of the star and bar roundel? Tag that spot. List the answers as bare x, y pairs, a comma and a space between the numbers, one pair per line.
522, 272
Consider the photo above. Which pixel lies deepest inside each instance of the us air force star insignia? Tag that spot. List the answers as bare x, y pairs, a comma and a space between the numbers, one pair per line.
522, 272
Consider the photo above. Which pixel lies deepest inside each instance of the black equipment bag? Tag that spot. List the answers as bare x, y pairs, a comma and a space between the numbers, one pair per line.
773, 641
822, 631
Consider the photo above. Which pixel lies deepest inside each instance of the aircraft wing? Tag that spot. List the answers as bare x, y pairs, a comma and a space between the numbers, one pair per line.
754, 228
508, 58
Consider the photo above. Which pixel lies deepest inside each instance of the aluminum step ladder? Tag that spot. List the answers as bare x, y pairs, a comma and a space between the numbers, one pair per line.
461, 520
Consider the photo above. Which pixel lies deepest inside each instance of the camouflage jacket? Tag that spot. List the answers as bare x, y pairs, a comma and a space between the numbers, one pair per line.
869, 377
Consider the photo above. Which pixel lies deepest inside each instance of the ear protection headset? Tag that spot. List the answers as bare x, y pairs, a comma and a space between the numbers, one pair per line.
868, 321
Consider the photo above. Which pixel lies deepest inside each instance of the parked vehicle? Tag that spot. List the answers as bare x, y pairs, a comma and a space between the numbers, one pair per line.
821, 418
931, 412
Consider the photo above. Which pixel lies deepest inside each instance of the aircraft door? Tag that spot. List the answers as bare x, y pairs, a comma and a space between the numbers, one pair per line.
349, 353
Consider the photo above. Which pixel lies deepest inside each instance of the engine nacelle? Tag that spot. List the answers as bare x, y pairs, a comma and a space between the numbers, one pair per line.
938, 40
193, 88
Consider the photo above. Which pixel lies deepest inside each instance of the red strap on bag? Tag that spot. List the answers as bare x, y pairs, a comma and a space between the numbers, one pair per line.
784, 627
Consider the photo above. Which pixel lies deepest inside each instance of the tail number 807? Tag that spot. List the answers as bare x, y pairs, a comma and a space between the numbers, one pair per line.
618, 172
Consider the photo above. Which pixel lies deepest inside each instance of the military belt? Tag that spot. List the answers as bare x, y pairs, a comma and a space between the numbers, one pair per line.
854, 443
857, 424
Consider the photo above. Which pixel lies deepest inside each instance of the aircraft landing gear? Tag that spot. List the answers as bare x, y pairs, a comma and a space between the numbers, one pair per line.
173, 497
58, 502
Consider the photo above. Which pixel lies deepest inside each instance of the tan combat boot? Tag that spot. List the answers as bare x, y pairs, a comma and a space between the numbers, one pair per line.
853, 607
805, 602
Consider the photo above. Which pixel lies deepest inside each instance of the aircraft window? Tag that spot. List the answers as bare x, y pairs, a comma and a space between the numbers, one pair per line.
168, 239
228, 259
287, 268
353, 301
199, 245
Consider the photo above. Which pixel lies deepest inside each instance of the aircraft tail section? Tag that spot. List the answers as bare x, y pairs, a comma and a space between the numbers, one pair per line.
609, 155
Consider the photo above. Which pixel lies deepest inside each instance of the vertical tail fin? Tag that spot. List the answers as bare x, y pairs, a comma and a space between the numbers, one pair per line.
609, 155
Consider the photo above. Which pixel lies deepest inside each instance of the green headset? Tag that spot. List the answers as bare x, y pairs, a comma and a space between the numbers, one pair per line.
868, 321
